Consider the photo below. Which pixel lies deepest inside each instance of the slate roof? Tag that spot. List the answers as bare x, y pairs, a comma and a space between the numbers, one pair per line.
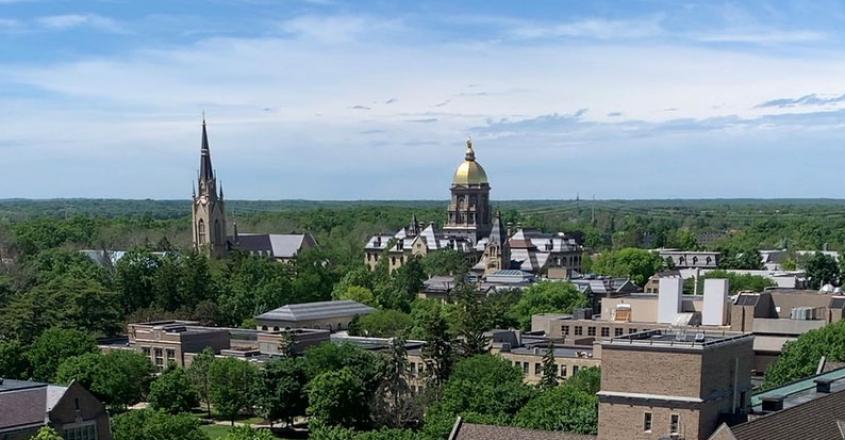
22, 404
279, 245
472, 431
316, 310
817, 419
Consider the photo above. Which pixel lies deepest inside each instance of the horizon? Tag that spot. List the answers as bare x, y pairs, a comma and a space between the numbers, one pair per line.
362, 101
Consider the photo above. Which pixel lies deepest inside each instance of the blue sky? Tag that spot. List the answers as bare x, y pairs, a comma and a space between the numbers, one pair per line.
327, 99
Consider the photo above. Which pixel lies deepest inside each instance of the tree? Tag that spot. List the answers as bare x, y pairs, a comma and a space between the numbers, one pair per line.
282, 390
437, 352
549, 379
738, 282
118, 378
338, 398
382, 324
232, 386
637, 264
547, 297
740, 257
327, 357
359, 294
47, 433
247, 433
13, 361
54, 346
800, 358
562, 408
199, 373
822, 269
472, 318
482, 389
445, 262
147, 424
134, 275
393, 403
173, 392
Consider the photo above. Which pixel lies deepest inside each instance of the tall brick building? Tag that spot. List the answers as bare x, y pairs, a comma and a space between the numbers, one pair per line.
663, 384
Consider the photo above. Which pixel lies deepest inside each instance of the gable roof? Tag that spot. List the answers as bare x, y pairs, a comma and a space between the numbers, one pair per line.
279, 245
22, 404
472, 431
817, 419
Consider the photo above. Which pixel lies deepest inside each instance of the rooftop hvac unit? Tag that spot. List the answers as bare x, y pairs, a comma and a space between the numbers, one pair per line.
801, 313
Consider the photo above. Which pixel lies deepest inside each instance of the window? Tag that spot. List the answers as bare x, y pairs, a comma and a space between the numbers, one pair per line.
87, 431
591, 331
538, 370
617, 332
647, 422
674, 424
632, 330
574, 370
579, 330
171, 355
525, 368
159, 357
605, 332
201, 232
565, 330
563, 371
146, 351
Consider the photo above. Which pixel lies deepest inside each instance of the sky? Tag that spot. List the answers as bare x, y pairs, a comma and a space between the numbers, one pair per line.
347, 100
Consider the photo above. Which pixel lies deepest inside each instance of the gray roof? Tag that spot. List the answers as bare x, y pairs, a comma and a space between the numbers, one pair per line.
279, 245
316, 310
472, 431
22, 404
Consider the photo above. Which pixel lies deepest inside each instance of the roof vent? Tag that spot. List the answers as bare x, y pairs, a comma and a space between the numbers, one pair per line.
823, 385
772, 403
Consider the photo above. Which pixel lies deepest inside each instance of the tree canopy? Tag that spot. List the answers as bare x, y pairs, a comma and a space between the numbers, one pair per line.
547, 297
637, 264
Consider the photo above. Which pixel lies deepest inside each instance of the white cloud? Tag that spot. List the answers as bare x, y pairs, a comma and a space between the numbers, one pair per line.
596, 28
337, 29
70, 21
769, 36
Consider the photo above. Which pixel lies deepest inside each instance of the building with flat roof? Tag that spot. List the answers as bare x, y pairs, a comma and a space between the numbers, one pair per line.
674, 383
330, 315
166, 342
71, 410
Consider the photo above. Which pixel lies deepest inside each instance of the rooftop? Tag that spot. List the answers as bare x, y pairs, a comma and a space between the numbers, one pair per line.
316, 310
800, 391
17, 385
677, 338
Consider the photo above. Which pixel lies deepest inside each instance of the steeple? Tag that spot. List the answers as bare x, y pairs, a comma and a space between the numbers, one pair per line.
206, 170
470, 153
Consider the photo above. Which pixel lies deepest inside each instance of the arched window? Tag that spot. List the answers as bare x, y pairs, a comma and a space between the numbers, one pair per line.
201, 232
217, 233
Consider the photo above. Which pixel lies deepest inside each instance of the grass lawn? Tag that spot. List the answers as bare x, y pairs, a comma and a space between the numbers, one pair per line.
215, 431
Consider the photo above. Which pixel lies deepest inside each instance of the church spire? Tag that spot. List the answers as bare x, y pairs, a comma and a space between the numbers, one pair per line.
206, 170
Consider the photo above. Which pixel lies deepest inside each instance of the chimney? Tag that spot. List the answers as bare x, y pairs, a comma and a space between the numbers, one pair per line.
823, 385
772, 403
669, 299
715, 302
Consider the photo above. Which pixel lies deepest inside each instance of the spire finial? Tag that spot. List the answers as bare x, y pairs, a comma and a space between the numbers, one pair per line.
203, 117
470, 152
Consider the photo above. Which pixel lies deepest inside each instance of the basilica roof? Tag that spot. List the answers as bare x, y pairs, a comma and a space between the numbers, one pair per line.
469, 172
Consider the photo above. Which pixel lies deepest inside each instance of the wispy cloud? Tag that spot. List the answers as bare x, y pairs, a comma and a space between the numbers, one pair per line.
423, 120
360, 107
763, 37
338, 28
596, 28
71, 21
806, 100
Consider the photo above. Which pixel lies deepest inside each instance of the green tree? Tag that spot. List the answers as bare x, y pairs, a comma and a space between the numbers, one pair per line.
134, 275
822, 269
482, 389
547, 297
549, 379
382, 324
147, 424
47, 433
252, 285
173, 392
637, 264
359, 294
472, 320
13, 361
54, 346
282, 390
393, 403
800, 358
445, 262
118, 378
562, 408
357, 277
740, 257
232, 388
199, 373
338, 398
437, 352
327, 357
738, 282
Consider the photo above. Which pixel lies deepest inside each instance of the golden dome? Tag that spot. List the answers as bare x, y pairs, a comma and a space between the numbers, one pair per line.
469, 172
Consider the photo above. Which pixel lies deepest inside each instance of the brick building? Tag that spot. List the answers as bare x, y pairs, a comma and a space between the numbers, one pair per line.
673, 384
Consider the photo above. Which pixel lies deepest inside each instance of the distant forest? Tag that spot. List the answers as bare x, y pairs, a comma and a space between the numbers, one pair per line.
344, 225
